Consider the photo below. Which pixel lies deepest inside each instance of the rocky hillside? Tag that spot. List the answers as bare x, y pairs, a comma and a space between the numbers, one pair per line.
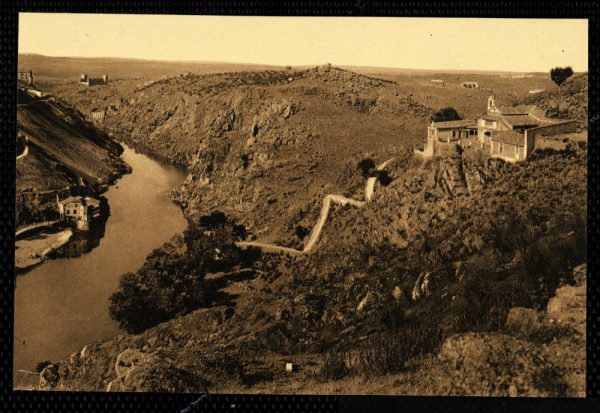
259, 144
570, 102
538, 353
433, 266
59, 148
58, 136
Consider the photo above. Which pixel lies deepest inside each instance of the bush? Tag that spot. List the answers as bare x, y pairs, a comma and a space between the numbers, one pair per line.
163, 288
366, 166
42, 365
334, 365
384, 178
301, 232
483, 305
445, 114
211, 241
169, 285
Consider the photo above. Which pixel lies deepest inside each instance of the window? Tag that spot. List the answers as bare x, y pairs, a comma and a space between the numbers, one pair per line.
517, 152
500, 147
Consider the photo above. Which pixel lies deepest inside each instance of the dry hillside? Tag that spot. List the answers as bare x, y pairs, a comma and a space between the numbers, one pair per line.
60, 149
568, 102
408, 275
261, 141
410, 286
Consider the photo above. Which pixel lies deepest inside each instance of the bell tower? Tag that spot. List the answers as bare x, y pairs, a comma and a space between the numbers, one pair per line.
491, 105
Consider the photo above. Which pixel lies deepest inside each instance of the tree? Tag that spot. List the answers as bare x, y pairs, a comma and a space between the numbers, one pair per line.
445, 114
301, 232
559, 75
172, 284
211, 242
366, 166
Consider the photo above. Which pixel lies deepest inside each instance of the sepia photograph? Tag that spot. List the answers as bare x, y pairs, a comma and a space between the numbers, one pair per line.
301, 205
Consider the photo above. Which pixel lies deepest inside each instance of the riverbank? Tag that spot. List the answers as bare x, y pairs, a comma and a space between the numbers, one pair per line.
31, 251
71, 294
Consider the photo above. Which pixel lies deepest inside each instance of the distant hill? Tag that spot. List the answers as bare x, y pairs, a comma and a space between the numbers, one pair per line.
411, 71
249, 135
55, 68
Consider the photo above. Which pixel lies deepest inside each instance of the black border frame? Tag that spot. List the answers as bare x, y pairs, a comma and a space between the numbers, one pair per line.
80, 401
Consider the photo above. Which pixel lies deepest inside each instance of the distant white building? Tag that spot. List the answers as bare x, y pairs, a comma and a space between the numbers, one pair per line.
79, 209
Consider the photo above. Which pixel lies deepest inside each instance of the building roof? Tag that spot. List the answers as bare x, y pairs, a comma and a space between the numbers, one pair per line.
510, 137
463, 123
521, 120
83, 199
490, 116
538, 113
515, 110
70, 199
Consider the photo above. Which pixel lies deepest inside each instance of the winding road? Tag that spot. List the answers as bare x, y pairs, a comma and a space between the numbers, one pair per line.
25, 142
318, 228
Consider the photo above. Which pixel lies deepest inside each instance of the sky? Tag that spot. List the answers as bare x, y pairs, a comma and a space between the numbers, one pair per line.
519, 45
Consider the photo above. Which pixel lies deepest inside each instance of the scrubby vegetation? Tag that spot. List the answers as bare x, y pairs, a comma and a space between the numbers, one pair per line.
171, 284
447, 248
445, 114
28, 212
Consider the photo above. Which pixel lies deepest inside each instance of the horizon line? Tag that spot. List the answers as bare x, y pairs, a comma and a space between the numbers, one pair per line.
291, 65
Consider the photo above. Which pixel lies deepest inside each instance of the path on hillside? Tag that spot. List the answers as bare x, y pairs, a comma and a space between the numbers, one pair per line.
24, 154
318, 228
25, 139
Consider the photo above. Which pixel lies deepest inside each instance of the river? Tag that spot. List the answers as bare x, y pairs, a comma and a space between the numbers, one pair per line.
62, 305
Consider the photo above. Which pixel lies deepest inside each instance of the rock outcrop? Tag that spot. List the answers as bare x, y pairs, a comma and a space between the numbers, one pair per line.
540, 354
138, 371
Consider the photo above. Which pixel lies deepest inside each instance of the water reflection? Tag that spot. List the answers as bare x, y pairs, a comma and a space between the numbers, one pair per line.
83, 242
62, 305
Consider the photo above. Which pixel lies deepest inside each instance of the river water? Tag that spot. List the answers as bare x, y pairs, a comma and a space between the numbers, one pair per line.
62, 305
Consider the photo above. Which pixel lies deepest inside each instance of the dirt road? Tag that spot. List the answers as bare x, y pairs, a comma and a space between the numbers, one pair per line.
318, 228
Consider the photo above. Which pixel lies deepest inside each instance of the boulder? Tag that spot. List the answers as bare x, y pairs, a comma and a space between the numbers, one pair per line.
568, 307
397, 293
496, 365
49, 377
129, 359
158, 378
524, 321
365, 302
